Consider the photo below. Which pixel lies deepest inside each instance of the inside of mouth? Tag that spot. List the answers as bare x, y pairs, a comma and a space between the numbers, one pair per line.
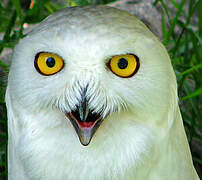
90, 120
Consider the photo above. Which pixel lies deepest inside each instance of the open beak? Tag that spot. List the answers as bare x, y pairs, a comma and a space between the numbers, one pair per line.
84, 120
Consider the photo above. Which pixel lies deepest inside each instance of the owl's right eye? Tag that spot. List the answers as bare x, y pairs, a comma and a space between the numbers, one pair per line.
48, 63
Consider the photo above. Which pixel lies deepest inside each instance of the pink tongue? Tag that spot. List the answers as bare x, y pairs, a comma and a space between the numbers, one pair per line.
86, 124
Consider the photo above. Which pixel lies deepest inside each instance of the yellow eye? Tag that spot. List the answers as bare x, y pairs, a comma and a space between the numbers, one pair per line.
48, 63
124, 65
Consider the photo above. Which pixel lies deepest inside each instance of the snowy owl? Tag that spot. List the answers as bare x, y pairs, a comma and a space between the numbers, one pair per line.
92, 96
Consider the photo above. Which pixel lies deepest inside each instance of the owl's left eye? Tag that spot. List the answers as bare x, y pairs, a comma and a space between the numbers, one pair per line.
48, 63
125, 65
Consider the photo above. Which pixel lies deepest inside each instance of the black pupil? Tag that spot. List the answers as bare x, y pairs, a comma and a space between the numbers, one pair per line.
50, 62
122, 63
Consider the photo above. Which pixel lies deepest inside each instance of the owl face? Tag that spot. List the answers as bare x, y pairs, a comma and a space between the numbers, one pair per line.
89, 65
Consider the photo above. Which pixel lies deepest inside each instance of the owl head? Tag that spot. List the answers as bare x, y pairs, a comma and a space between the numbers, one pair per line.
96, 67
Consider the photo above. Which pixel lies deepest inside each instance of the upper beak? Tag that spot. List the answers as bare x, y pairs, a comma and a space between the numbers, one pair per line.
84, 120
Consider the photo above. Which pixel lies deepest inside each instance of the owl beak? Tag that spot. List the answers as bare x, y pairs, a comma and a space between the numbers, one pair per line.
85, 121
85, 129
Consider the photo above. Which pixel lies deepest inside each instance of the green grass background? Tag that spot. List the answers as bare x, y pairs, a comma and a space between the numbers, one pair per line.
182, 39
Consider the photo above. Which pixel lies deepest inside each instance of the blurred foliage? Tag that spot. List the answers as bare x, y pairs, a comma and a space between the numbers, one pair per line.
182, 40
